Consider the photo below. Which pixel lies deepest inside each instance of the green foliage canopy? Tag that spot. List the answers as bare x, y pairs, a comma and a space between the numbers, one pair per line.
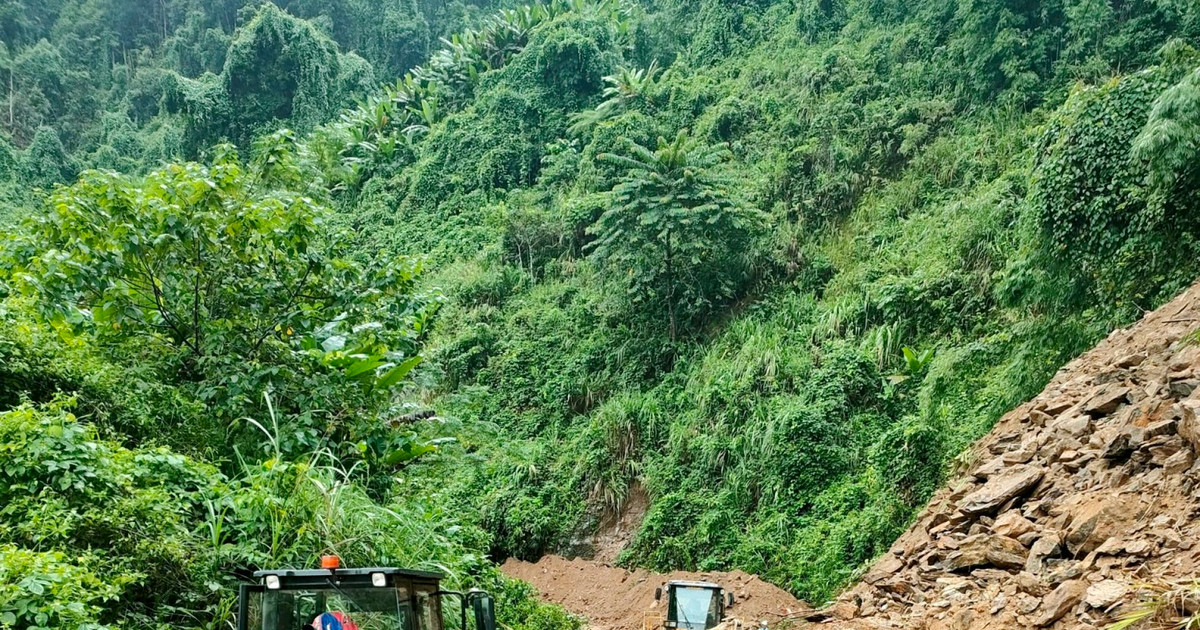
212, 259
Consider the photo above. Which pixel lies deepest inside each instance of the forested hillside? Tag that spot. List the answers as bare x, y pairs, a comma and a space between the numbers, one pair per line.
777, 263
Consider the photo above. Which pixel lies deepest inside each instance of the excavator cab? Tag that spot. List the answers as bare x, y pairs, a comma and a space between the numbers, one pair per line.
694, 605
333, 598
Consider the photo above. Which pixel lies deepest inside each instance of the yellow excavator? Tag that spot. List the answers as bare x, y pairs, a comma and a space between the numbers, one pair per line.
375, 598
694, 605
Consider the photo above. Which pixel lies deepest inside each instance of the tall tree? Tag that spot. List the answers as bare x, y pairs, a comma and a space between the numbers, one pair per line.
1170, 142
674, 231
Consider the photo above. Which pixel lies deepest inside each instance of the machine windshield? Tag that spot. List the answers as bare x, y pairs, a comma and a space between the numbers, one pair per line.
696, 608
343, 609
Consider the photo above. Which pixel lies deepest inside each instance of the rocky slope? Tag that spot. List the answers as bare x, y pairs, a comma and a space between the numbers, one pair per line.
1070, 506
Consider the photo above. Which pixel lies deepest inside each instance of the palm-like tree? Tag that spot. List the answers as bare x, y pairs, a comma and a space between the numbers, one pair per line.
673, 229
623, 89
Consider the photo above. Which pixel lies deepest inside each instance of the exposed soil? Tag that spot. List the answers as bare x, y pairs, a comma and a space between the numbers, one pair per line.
617, 527
612, 598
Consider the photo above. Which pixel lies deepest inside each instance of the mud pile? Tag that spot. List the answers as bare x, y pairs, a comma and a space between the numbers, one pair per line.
611, 598
1073, 500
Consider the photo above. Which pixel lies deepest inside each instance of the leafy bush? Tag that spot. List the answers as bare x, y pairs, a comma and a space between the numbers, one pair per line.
43, 590
173, 528
235, 275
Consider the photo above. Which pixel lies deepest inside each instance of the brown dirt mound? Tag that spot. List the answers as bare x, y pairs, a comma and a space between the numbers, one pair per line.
1074, 499
611, 598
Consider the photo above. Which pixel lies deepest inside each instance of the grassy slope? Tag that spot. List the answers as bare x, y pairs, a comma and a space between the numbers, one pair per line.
897, 158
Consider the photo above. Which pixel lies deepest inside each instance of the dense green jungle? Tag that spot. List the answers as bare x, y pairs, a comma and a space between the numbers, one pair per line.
435, 284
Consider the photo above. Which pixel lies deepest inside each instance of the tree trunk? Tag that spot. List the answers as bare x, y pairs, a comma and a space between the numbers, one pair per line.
163, 5
670, 290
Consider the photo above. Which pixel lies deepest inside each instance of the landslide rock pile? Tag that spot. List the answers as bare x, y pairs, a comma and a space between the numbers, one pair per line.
1073, 500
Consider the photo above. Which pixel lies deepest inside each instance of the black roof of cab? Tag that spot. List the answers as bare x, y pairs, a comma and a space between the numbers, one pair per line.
687, 583
357, 571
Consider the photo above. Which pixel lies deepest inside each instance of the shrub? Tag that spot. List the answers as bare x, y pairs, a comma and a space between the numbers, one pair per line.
45, 591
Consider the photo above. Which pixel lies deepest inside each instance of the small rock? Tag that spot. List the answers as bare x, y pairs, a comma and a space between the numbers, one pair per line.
1130, 360
993, 467
1076, 426
1060, 601
1105, 399
1029, 583
1000, 489
1118, 477
990, 575
1119, 447
1066, 572
956, 592
1028, 538
1162, 520
1079, 462
1045, 547
1169, 537
1110, 547
1160, 454
1027, 604
1093, 523
1183, 389
1138, 547
998, 604
1105, 593
1056, 406
844, 610
1019, 456
1183, 360
883, 569
1189, 424
1168, 426
1012, 525
985, 550
1179, 463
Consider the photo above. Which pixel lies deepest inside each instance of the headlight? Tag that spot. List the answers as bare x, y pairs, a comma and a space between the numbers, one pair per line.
273, 582
378, 579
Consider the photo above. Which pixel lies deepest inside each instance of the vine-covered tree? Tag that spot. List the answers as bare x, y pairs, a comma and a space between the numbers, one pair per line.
46, 162
280, 68
1170, 142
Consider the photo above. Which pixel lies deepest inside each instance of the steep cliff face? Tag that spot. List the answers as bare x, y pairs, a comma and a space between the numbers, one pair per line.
1070, 508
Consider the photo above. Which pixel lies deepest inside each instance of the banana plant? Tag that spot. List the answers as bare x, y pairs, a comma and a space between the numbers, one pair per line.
914, 364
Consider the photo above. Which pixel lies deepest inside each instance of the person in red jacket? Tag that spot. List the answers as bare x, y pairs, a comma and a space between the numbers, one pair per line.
335, 620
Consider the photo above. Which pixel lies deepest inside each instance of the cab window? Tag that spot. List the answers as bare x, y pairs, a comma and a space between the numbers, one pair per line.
368, 608
427, 607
